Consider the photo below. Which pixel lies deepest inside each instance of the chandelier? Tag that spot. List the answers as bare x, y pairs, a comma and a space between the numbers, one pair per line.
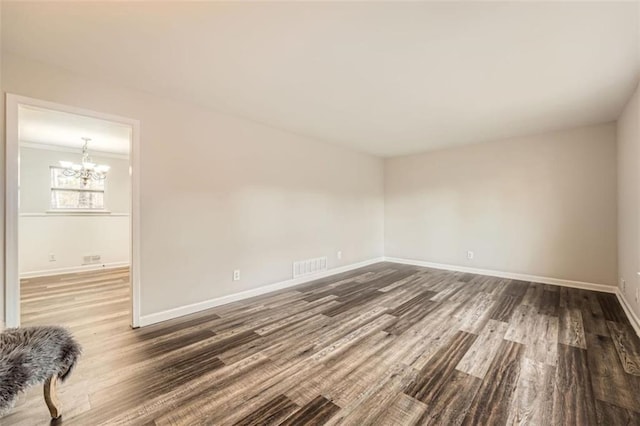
86, 171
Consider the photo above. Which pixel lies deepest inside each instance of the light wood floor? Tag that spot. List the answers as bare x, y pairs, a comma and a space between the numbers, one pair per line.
386, 345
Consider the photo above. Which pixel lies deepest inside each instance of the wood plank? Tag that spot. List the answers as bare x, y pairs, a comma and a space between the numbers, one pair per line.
593, 317
532, 402
627, 344
402, 410
454, 397
573, 399
542, 342
522, 325
436, 373
609, 414
477, 313
374, 401
316, 412
550, 303
608, 378
411, 312
492, 401
611, 308
504, 308
270, 413
571, 330
478, 359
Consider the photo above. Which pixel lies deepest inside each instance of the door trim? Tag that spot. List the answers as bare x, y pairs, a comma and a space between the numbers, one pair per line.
12, 170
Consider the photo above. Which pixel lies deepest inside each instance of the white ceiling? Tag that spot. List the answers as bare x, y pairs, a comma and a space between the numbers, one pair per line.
61, 129
387, 78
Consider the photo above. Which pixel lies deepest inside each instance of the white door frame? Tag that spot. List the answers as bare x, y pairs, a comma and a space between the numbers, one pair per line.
12, 170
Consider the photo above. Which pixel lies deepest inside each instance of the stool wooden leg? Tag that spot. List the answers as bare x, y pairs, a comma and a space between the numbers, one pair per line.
51, 396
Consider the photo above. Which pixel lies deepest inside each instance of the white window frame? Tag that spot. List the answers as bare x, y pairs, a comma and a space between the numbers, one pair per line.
54, 209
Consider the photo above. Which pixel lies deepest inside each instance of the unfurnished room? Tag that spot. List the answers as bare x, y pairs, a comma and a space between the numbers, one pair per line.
320, 213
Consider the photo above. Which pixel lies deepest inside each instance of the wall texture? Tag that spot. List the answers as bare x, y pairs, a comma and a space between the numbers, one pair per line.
70, 236
542, 205
629, 200
220, 193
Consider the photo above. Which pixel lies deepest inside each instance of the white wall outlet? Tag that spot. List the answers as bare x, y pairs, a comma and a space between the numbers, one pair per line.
339, 255
623, 284
52, 257
236, 275
469, 255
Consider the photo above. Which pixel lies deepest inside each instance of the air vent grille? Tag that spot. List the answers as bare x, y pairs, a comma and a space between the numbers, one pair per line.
91, 259
309, 266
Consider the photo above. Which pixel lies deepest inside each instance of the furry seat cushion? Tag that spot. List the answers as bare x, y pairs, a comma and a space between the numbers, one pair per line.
31, 355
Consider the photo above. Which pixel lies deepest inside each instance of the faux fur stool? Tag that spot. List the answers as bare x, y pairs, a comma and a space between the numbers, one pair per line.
33, 355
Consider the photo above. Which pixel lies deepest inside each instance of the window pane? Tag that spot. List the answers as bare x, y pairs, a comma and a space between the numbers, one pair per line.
59, 180
70, 199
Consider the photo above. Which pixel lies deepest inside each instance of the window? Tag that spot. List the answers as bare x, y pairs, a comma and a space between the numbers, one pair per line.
70, 192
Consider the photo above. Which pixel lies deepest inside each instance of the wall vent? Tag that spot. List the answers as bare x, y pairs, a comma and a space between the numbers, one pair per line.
91, 259
309, 266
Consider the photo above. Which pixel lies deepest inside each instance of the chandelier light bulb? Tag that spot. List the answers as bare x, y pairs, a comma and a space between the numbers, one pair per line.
87, 170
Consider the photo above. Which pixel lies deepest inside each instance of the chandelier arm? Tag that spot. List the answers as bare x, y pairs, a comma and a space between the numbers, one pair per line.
86, 169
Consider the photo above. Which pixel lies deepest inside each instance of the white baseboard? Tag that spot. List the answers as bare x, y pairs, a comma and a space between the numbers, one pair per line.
73, 269
207, 304
211, 303
633, 318
509, 275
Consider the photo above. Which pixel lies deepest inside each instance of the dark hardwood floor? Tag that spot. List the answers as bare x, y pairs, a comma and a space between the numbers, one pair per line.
386, 345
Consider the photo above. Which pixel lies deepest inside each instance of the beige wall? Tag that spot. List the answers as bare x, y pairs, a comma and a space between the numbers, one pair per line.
220, 193
542, 205
629, 199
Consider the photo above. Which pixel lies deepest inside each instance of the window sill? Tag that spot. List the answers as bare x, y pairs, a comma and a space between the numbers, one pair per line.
57, 213
78, 212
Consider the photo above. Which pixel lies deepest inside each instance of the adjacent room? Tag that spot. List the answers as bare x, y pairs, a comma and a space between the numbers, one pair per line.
73, 230
310, 213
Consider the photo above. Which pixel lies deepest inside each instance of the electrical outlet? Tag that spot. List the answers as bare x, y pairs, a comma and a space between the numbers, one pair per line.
624, 285
470, 255
236, 275
339, 255
52, 257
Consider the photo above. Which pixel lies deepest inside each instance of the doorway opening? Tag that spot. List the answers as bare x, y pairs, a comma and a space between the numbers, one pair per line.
71, 209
